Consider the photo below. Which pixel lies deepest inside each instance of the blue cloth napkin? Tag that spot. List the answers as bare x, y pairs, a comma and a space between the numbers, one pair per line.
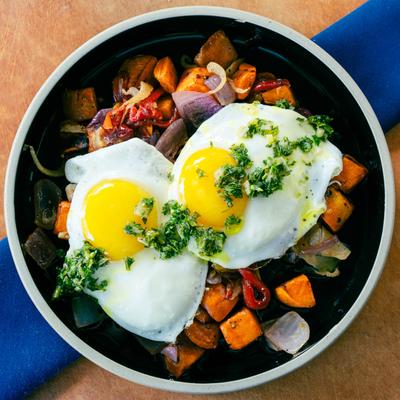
366, 43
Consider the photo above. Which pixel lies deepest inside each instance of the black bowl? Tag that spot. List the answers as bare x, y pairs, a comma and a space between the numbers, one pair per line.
321, 85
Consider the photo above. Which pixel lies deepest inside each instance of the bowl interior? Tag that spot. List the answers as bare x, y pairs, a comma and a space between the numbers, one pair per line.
317, 89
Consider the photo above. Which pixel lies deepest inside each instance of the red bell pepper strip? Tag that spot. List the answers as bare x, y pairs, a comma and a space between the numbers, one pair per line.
264, 86
252, 285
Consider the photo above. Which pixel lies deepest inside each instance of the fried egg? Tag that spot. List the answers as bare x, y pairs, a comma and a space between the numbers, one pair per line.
269, 225
156, 298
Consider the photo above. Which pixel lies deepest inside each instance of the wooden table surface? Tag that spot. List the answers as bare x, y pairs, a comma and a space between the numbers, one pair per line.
35, 36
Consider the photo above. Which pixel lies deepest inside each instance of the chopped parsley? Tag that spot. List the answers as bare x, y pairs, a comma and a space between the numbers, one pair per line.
261, 127
200, 172
144, 208
76, 273
283, 103
232, 220
170, 176
173, 236
241, 155
263, 181
128, 263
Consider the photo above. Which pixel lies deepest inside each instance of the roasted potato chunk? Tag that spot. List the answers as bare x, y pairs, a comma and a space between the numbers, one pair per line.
338, 209
203, 335
193, 80
279, 93
80, 104
244, 78
215, 302
217, 48
352, 174
165, 73
133, 71
296, 293
241, 329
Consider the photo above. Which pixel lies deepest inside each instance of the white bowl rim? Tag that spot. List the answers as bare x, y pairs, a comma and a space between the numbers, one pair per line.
165, 384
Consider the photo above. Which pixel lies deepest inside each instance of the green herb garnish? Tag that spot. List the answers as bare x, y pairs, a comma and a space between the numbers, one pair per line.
128, 263
231, 221
144, 208
261, 127
200, 172
76, 273
283, 103
209, 241
241, 155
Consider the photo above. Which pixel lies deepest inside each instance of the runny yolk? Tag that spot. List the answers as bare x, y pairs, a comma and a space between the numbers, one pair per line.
198, 191
109, 206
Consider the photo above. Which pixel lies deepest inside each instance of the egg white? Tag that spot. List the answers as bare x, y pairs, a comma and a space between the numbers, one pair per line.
271, 224
156, 298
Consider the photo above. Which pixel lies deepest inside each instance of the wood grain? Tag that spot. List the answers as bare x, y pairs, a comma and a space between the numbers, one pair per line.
35, 36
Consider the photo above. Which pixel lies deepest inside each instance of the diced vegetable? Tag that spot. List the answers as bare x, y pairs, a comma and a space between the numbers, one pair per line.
216, 303
195, 107
60, 226
288, 333
165, 73
338, 209
352, 174
188, 354
40, 248
80, 104
172, 140
296, 293
279, 93
86, 311
166, 105
217, 48
241, 329
96, 137
107, 123
202, 315
226, 95
193, 79
244, 78
203, 335
46, 197
133, 71
256, 295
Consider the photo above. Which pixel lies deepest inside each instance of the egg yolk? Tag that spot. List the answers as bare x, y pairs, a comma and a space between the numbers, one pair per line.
198, 191
109, 207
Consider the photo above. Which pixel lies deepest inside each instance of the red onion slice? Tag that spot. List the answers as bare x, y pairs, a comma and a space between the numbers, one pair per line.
226, 95
288, 333
171, 351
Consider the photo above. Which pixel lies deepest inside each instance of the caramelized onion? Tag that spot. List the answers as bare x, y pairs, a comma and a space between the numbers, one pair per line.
55, 173
217, 70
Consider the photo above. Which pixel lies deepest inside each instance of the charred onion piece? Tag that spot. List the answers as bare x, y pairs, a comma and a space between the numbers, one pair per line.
173, 138
40, 248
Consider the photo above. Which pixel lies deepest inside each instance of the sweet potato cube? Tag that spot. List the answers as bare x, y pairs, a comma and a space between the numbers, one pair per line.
60, 226
338, 209
188, 354
241, 329
165, 73
279, 93
352, 174
80, 104
217, 48
296, 293
133, 71
244, 78
203, 335
193, 80
215, 302
166, 105
202, 315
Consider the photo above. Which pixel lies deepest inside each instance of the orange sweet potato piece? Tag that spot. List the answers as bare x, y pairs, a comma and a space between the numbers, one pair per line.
241, 329
80, 104
193, 79
135, 70
279, 93
217, 48
202, 315
203, 335
296, 293
215, 303
165, 73
166, 105
352, 174
60, 226
244, 78
188, 354
107, 124
338, 209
